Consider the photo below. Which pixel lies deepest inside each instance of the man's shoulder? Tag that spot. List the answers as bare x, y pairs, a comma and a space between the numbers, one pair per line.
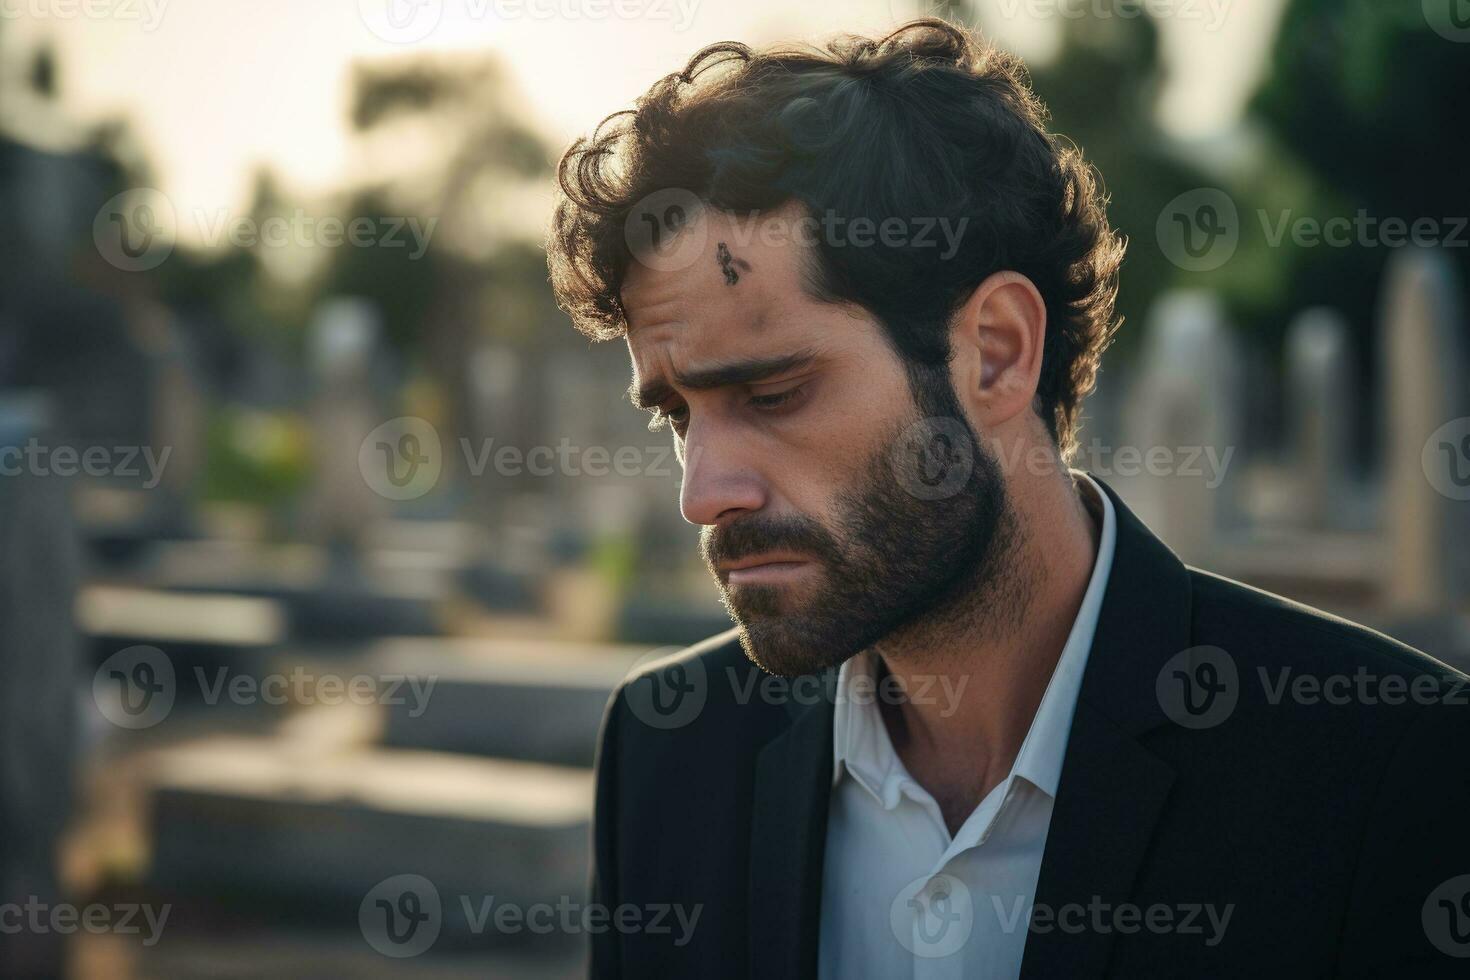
716, 654
708, 690
1314, 692
1263, 630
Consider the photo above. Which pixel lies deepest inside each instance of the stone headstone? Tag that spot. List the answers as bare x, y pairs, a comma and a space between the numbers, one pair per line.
531, 700
324, 827
1184, 424
39, 666
1320, 413
1426, 456
344, 338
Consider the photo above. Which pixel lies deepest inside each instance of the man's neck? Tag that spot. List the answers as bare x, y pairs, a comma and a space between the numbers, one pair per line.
963, 745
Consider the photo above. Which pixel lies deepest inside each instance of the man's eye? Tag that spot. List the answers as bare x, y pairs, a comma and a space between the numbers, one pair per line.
766, 403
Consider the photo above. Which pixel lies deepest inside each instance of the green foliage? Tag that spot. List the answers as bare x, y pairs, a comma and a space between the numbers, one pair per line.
1368, 100
615, 559
1101, 91
255, 457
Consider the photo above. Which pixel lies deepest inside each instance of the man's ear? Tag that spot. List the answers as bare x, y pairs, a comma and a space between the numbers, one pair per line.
998, 336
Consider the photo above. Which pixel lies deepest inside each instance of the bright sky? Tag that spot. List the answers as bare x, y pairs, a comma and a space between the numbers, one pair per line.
215, 88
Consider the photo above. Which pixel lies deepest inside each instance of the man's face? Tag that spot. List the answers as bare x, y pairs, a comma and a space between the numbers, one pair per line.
836, 507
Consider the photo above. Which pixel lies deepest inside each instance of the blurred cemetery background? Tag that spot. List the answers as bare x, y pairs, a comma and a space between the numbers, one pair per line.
247, 473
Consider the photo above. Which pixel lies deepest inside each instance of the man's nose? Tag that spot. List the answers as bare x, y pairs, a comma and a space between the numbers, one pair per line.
720, 483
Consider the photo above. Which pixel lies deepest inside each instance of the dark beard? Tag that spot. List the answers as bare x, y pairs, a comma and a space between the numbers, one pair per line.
897, 560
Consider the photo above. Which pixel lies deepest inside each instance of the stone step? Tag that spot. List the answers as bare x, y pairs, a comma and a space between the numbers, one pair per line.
179, 632
126, 615
535, 700
324, 597
323, 825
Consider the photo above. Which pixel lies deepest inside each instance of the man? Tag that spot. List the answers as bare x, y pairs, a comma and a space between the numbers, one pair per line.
868, 293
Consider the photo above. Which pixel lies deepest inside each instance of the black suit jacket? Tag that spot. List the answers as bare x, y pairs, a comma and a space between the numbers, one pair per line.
1334, 830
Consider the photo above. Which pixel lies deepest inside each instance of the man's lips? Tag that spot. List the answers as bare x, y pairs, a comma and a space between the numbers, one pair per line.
766, 567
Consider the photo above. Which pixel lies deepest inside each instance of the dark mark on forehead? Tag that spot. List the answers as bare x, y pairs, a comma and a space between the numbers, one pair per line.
728, 264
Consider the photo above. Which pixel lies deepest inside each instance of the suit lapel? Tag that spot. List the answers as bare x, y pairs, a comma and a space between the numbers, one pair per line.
793, 784
1112, 789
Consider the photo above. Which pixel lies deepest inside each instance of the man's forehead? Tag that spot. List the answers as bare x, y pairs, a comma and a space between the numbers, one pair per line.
735, 291
721, 265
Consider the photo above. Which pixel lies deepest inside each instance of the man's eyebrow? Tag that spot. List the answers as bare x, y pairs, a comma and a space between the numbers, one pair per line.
654, 393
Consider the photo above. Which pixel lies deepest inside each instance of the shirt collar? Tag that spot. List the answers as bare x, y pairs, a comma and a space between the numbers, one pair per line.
861, 746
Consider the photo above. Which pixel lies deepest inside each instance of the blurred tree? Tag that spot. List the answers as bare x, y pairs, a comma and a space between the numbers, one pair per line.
450, 150
1366, 100
1101, 89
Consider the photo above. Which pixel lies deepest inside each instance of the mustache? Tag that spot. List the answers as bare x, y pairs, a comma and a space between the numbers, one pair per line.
756, 535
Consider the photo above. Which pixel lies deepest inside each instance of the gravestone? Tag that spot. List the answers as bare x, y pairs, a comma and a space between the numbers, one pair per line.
530, 700
318, 828
126, 383
38, 672
343, 339
1184, 424
1319, 406
325, 597
1426, 454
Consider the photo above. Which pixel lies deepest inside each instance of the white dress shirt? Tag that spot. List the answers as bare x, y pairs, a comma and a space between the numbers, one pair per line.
902, 898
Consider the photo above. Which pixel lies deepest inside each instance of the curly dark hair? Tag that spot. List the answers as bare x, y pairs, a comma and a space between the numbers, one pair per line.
928, 121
